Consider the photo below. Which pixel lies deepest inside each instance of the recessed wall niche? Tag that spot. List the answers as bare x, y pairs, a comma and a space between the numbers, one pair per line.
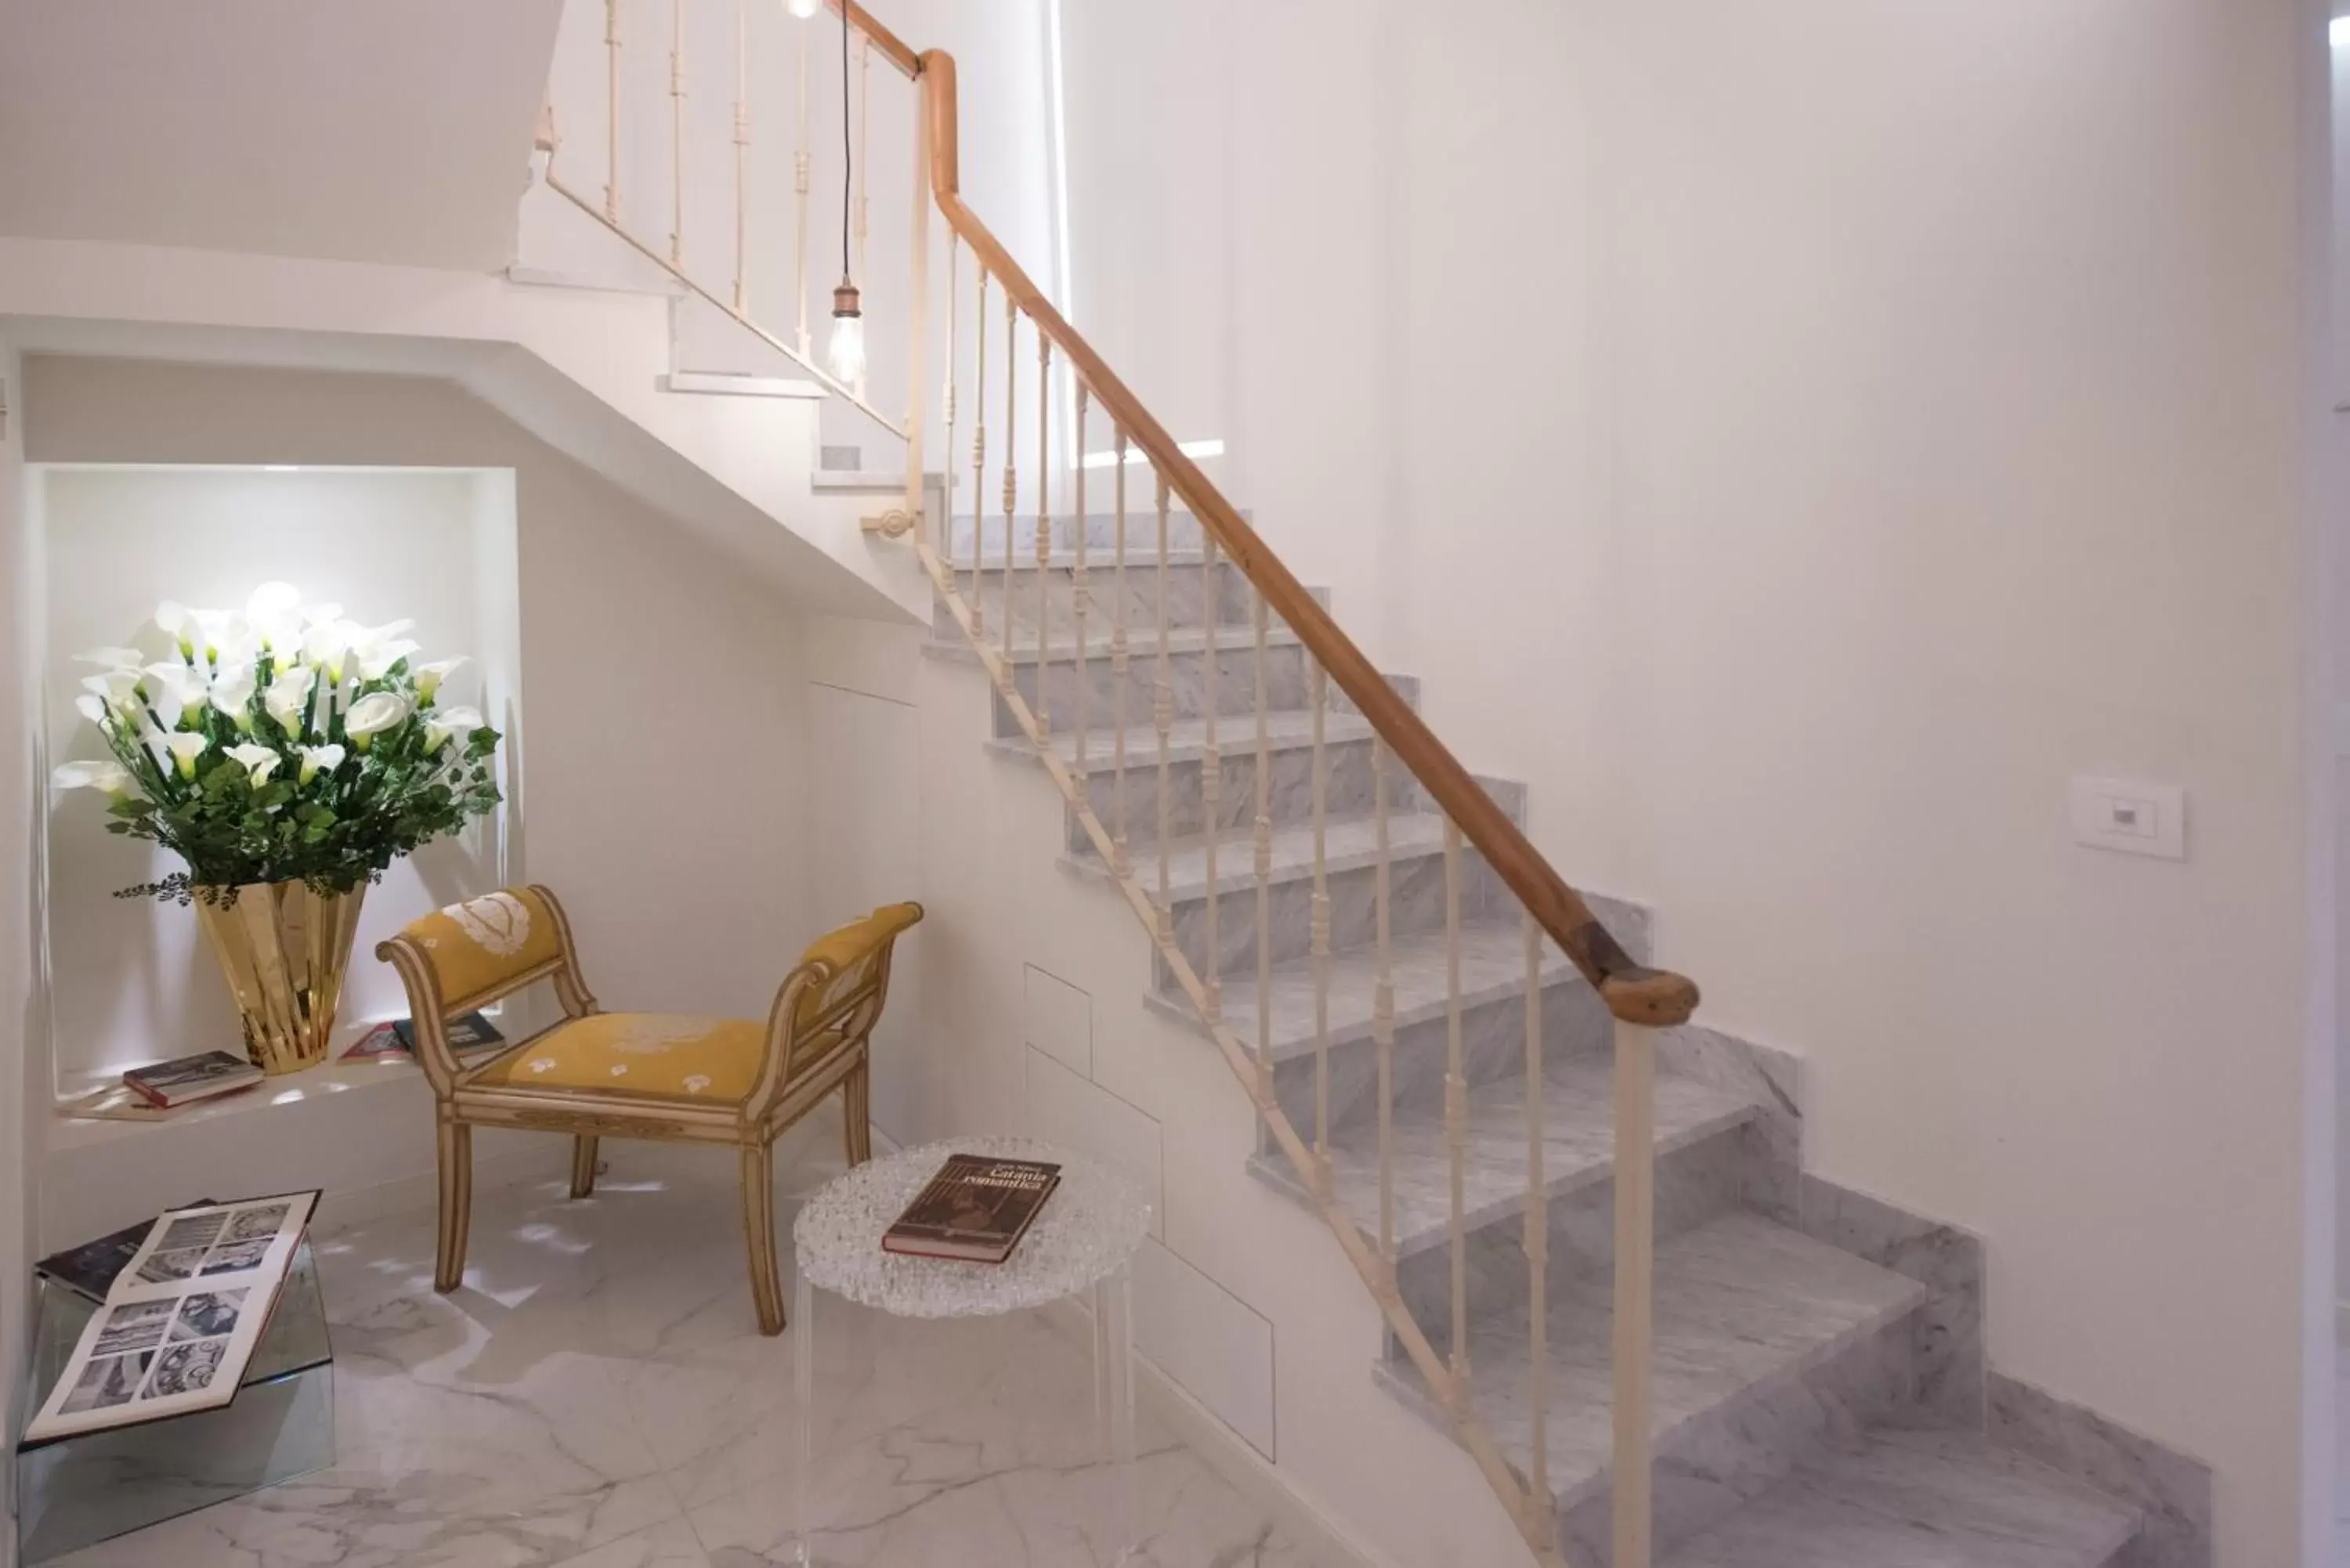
128, 980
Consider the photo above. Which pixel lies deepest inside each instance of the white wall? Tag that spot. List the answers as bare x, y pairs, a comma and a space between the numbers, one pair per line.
663, 778
1841, 427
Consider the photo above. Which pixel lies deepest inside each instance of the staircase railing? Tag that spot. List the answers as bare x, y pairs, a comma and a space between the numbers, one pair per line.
1475, 829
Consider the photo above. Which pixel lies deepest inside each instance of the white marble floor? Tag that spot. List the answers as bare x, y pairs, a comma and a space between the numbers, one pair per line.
598, 1395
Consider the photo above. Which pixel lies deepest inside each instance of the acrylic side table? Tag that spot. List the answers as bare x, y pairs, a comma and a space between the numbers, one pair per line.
75, 1491
1083, 1240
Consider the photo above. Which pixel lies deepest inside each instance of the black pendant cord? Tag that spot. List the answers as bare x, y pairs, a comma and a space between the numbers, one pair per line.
848, 152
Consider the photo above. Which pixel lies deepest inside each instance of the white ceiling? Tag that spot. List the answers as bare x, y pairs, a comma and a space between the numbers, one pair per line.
384, 130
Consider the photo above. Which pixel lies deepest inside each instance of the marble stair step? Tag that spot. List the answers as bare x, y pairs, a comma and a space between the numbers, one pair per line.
1287, 729
1492, 969
1183, 530
1350, 845
1896, 1499
1744, 1307
1064, 649
1578, 1149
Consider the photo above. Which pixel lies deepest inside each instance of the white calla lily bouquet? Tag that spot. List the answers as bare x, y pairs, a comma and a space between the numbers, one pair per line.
283, 744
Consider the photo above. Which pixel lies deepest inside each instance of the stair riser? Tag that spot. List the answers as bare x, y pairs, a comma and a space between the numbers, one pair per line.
1694, 1183
1186, 602
1492, 1049
1290, 786
1742, 1448
1187, 686
1101, 527
1415, 904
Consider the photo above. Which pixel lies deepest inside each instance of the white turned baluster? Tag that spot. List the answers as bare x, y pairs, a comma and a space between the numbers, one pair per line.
1456, 1109
1319, 696
1044, 531
1163, 715
979, 463
1078, 592
612, 115
677, 133
1120, 856
1263, 870
741, 153
1636, 1264
942, 536
800, 205
1211, 773
1383, 1009
1010, 485
1537, 1246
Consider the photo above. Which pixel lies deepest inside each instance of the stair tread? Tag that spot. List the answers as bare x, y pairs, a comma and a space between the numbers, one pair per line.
1286, 729
1231, 637
1347, 843
1739, 1302
1493, 966
1101, 560
1578, 1147
1919, 1500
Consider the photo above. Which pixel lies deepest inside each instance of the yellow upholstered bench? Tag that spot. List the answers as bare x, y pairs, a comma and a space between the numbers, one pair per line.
687, 1078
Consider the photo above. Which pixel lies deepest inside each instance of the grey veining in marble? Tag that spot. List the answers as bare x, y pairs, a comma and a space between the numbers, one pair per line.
1579, 1145
1183, 532
598, 1395
1773, 1080
1918, 1500
1184, 583
1743, 1308
1063, 676
2170, 1489
1948, 1356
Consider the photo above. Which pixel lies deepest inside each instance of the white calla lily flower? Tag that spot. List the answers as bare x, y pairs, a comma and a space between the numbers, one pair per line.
258, 760
112, 658
429, 677
317, 760
185, 747
91, 708
321, 614
109, 778
180, 621
459, 723
174, 688
377, 660
119, 689
274, 616
328, 644
372, 714
288, 695
232, 693
215, 630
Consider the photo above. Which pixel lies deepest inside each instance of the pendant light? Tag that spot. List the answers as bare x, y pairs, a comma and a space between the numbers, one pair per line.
844, 355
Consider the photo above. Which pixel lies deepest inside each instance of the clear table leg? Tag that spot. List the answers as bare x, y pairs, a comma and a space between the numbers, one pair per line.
803, 1332
1114, 1401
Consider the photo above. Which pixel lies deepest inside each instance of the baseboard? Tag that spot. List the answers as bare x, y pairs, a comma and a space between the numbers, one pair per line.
1232, 1457
542, 1159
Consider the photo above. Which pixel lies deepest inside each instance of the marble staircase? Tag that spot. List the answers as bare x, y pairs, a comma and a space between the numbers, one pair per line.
1815, 1407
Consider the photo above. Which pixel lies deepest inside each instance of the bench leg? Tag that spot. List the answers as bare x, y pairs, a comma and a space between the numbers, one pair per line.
583, 1165
456, 1152
759, 1229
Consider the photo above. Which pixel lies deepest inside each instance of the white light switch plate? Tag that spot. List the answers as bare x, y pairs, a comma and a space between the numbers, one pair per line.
2130, 815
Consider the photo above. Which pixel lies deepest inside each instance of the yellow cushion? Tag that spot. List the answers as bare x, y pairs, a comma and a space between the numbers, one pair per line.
692, 1057
483, 942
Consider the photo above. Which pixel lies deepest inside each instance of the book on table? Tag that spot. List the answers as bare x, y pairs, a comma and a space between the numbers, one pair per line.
975, 1209
186, 1078
180, 1321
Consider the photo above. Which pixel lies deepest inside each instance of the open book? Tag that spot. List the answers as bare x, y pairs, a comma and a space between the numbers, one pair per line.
181, 1319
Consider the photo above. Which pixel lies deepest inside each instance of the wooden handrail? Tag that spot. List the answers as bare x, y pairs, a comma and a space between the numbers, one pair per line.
1633, 993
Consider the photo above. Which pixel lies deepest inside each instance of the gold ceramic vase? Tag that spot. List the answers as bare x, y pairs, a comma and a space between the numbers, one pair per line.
284, 950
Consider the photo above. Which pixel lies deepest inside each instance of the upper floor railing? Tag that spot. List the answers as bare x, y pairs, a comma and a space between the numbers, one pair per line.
1483, 858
